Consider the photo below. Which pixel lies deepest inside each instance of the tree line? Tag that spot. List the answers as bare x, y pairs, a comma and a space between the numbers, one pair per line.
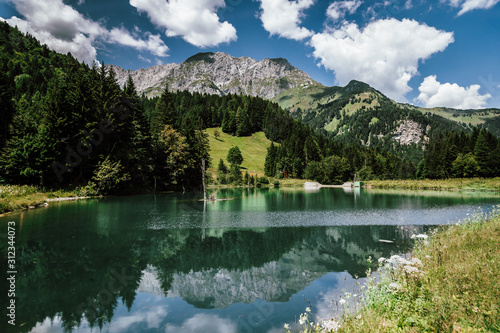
66, 123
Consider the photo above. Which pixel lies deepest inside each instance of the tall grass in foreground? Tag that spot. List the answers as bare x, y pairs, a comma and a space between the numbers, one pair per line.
449, 284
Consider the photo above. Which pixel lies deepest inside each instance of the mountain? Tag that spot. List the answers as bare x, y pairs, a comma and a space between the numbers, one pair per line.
358, 113
221, 74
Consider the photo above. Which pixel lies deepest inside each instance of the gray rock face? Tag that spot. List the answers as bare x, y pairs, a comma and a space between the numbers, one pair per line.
218, 73
408, 132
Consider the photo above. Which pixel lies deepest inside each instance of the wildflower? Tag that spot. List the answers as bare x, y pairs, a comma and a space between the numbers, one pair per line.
381, 260
331, 325
416, 262
302, 319
393, 286
308, 309
342, 301
286, 326
412, 270
358, 317
420, 236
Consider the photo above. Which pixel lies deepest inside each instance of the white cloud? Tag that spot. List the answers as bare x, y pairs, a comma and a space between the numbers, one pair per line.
385, 54
468, 5
196, 21
64, 30
153, 44
283, 17
338, 9
434, 94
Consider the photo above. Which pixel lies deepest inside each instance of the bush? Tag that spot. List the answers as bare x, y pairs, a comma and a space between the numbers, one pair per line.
108, 178
263, 181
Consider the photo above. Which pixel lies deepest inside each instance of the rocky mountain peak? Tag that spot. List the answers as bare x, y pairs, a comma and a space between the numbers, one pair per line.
219, 73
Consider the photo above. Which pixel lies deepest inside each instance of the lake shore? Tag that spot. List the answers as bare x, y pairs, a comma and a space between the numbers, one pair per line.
20, 197
452, 184
449, 284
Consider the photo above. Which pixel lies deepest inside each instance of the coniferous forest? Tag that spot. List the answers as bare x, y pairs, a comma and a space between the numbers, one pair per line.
64, 123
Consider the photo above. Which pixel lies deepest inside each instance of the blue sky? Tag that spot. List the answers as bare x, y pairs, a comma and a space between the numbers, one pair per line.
428, 53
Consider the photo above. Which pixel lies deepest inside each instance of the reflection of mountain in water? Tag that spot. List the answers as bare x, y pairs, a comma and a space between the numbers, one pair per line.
322, 250
84, 274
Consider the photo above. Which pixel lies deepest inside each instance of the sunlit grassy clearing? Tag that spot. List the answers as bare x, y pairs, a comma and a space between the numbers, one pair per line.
253, 148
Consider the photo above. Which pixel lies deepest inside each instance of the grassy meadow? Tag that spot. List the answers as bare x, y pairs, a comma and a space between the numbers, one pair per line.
253, 148
471, 184
16, 197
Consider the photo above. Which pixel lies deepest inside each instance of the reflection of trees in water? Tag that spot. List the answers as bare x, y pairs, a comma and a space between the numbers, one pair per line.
89, 275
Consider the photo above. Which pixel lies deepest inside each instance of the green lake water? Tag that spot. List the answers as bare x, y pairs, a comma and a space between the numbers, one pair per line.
170, 263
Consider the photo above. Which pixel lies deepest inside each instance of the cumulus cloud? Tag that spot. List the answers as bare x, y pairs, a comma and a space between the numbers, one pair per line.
385, 54
283, 17
153, 43
338, 9
434, 93
64, 30
468, 5
196, 21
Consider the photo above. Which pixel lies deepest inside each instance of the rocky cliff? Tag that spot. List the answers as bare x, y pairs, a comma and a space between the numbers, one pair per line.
219, 73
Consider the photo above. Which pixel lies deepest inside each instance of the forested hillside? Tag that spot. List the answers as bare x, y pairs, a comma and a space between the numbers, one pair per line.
69, 124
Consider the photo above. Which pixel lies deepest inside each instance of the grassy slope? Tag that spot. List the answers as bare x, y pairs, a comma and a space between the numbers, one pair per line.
253, 148
456, 289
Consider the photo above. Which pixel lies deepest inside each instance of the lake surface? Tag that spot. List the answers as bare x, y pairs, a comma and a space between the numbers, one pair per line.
170, 263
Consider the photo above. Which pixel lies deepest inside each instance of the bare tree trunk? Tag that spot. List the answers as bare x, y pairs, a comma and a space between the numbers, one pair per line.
203, 179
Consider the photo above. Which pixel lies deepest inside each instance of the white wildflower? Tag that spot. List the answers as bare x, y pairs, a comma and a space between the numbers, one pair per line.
393, 286
308, 309
416, 262
331, 325
412, 270
381, 260
286, 326
302, 319
342, 301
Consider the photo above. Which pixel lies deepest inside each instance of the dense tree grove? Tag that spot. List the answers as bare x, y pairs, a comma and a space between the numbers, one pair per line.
452, 154
65, 123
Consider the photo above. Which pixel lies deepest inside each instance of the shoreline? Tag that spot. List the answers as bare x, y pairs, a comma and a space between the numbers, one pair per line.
34, 198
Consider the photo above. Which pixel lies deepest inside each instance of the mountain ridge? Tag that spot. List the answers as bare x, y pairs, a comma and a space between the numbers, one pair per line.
218, 73
322, 107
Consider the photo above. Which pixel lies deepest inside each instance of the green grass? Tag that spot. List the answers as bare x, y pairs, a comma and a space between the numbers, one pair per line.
452, 287
253, 148
473, 184
16, 197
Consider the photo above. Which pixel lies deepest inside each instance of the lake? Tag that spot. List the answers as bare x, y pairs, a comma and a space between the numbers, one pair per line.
170, 263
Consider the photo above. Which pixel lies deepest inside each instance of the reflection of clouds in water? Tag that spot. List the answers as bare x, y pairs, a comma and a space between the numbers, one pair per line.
49, 326
152, 316
204, 323
329, 306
